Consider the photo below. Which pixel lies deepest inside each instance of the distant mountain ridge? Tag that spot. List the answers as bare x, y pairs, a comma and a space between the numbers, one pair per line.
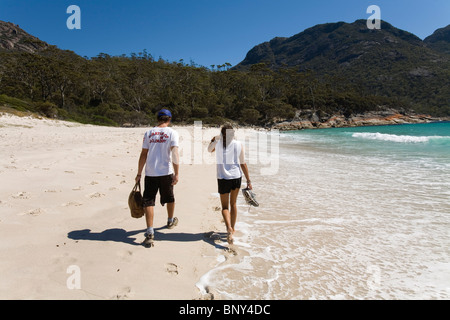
439, 40
340, 43
389, 62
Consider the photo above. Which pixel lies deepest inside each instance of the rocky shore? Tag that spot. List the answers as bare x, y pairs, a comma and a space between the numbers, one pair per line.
311, 120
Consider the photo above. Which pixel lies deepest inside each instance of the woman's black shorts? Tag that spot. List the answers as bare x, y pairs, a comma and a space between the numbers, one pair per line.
165, 187
225, 186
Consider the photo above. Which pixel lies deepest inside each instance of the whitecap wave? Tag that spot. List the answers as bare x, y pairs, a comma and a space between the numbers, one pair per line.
394, 137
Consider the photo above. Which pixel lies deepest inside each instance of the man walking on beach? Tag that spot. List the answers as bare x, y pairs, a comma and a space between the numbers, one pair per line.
160, 157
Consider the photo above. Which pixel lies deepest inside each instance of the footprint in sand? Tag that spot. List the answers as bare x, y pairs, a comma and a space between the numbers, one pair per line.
63, 260
52, 191
96, 195
125, 293
72, 204
171, 268
35, 212
231, 252
21, 195
126, 255
213, 236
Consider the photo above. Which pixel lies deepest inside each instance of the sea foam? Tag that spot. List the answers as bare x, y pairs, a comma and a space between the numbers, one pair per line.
394, 137
346, 217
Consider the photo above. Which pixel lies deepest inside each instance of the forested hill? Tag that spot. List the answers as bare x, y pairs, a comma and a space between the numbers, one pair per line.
344, 72
439, 40
387, 62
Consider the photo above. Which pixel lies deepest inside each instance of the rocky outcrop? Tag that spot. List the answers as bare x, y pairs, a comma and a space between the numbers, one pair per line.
13, 38
374, 118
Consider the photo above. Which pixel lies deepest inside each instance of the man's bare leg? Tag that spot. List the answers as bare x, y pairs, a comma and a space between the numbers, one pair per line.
171, 221
149, 215
170, 210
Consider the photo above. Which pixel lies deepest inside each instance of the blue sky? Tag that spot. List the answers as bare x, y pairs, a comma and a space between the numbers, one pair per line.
206, 32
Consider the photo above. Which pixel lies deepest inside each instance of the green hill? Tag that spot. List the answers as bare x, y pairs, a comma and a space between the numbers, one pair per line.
439, 40
330, 69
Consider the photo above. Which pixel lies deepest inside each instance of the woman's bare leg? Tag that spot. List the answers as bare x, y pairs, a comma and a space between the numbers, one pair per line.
225, 199
233, 208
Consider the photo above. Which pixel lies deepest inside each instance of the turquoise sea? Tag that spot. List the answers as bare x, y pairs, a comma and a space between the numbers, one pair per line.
352, 213
427, 142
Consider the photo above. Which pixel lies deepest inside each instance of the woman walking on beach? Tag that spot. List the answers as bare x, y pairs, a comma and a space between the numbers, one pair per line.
230, 166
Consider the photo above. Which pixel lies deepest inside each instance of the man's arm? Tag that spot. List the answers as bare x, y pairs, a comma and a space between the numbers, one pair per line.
141, 163
176, 164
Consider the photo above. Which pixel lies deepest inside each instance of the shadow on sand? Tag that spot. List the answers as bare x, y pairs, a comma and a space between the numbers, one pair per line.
128, 237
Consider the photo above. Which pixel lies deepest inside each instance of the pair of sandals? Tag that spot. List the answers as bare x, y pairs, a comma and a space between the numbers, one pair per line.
250, 197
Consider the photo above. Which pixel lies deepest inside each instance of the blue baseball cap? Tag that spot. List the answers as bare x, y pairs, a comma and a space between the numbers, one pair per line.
164, 112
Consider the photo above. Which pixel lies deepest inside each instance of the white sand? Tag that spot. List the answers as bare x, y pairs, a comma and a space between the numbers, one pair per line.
66, 231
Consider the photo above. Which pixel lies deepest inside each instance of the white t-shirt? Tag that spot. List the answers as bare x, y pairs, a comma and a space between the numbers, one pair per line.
159, 142
229, 160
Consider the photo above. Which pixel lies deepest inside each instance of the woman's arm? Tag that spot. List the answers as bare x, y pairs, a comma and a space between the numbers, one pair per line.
247, 176
245, 168
212, 144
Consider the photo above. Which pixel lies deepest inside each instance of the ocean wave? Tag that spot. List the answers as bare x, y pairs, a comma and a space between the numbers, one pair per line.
397, 138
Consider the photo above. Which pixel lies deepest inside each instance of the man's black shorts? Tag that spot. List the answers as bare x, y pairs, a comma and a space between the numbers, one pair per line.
165, 187
225, 186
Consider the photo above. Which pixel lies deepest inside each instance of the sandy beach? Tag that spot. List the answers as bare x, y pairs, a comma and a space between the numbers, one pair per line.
66, 230
67, 233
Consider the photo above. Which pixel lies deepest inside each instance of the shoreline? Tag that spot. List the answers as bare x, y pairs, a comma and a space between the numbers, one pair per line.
347, 220
358, 120
304, 119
